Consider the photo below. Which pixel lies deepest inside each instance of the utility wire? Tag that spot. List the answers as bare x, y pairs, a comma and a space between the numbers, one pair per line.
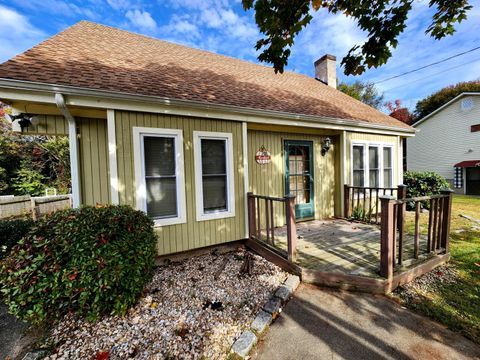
426, 66
437, 73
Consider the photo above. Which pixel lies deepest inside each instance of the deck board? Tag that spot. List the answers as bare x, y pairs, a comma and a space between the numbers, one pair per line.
340, 246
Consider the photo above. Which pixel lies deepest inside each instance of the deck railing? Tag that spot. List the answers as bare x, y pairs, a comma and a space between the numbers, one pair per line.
393, 228
363, 203
261, 221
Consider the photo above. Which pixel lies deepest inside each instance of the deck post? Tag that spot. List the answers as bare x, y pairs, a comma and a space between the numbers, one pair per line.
401, 195
251, 214
291, 227
346, 201
447, 214
387, 234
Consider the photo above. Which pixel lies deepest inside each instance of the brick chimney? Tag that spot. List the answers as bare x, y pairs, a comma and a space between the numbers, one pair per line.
325, 70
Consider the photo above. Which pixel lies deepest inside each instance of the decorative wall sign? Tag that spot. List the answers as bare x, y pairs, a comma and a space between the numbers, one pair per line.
263, 156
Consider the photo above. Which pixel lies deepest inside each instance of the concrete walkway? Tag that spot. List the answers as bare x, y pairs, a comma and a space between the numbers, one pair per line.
15, 336
327, 324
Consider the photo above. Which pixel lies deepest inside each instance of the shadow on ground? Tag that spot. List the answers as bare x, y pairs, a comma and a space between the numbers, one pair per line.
328, 324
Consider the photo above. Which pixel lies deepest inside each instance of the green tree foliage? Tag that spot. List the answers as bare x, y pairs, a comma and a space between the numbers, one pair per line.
28, 181
441, 97
90, 261
384, 20
29, 164
366, 92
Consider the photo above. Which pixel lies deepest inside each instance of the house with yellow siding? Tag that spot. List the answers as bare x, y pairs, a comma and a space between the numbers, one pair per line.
184, 134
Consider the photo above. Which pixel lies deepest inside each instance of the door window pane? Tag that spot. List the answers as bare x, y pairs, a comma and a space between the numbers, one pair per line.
160, 177
358, 166
214, 176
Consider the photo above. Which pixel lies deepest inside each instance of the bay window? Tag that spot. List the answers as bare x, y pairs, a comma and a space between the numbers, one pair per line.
159, 174
372, 164
214, 175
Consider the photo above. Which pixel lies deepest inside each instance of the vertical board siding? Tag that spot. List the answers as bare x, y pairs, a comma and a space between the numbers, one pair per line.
93, 154
352, 136
193, 234
49, 125
269, 179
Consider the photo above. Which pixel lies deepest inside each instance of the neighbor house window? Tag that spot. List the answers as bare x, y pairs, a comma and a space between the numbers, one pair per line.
372, 165
159, 174
214, 182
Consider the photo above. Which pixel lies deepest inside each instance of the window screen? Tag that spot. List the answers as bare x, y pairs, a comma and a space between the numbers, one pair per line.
214, 175
358, 166
373, 166
387, 167
160, 176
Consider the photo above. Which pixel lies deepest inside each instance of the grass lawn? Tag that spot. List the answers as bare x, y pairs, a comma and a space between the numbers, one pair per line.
456, 304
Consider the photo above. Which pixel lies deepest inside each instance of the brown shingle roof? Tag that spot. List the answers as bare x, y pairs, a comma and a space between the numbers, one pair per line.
99, 57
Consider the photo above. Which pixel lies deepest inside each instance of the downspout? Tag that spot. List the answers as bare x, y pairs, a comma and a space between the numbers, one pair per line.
72, 140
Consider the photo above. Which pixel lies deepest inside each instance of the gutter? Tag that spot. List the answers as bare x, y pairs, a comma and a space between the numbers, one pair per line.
240, 113
73, 145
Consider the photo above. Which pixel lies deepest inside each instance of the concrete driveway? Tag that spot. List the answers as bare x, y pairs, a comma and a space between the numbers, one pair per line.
328, 324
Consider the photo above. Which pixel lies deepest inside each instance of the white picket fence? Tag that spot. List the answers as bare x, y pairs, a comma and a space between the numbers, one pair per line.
26, 206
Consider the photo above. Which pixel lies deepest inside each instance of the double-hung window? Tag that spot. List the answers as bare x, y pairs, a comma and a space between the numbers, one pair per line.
387, 166
159, 174
372, 164
358, 165
214, 175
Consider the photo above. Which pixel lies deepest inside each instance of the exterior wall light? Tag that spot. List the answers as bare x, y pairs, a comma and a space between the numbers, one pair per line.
327, 143
22, 121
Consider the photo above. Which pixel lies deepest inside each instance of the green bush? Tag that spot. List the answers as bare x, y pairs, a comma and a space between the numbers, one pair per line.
423, 184
89, 261
11, 231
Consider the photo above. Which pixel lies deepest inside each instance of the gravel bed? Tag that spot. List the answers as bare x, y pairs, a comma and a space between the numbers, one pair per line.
445, 274
192, 309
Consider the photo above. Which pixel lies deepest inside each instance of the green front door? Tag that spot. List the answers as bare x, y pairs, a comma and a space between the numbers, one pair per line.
299, 177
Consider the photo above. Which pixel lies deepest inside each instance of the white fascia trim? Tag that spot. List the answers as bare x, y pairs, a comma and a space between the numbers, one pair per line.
112, 157
116, 100
444, 106
230, 212
366, 173
245, 172
139, 164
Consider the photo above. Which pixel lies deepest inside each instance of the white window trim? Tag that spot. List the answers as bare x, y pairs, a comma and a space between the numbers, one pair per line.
139, 163
230, 212
366, 170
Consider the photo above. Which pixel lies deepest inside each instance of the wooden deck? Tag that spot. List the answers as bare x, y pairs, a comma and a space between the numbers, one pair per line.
341, 246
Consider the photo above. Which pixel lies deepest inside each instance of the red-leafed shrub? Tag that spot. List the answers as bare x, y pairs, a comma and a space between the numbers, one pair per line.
90, 261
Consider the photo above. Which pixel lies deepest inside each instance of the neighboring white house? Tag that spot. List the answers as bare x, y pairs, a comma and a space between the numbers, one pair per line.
448, 143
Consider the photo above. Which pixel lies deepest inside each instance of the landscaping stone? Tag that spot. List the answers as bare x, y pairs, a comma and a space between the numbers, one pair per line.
292, 282
244, 344
273, 306
190, 310
283, 293
35, 355
262, 320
